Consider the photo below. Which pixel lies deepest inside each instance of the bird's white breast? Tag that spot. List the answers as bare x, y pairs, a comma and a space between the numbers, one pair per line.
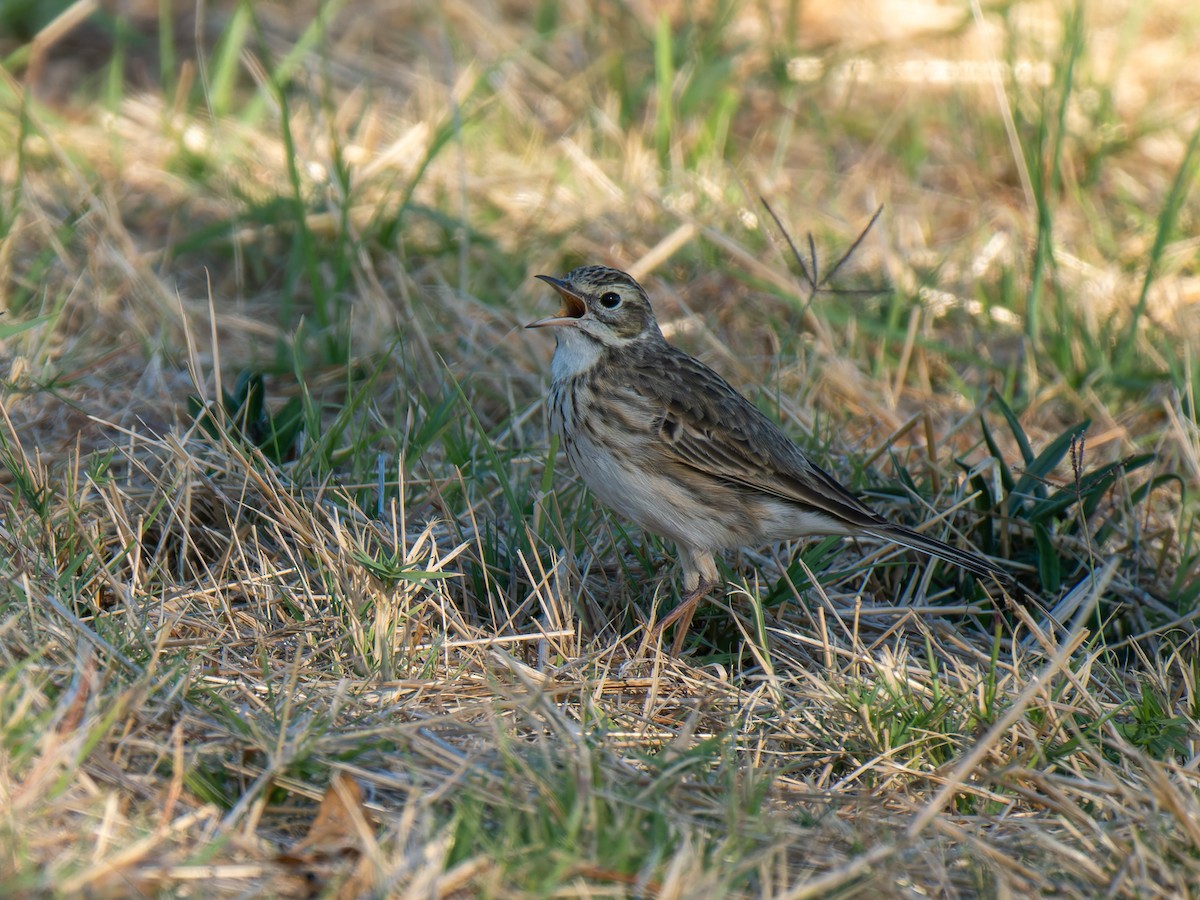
631, 487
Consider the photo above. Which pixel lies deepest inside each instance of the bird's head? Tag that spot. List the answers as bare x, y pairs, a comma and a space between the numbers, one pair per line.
603, 304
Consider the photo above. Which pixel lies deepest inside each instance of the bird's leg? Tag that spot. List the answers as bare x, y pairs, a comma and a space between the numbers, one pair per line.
681, 616
700, 572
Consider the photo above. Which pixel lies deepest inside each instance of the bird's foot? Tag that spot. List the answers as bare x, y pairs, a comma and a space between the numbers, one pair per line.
681, 616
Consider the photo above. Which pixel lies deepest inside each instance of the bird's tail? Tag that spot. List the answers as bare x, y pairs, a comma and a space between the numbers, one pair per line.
965, 559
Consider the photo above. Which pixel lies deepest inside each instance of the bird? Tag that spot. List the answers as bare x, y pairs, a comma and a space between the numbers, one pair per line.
667, 443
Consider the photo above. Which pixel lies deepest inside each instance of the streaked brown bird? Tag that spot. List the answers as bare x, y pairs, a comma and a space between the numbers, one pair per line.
666, 442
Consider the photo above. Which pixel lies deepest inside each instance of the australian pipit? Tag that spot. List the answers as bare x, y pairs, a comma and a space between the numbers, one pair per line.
666, 442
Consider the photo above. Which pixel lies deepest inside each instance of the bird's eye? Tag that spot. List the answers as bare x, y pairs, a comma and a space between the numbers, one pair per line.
610, 300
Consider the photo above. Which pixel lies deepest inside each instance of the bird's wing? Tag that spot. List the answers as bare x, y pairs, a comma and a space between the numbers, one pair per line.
708, 426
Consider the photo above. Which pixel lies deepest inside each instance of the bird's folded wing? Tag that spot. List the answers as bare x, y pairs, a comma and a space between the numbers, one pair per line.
726, 437
708, 427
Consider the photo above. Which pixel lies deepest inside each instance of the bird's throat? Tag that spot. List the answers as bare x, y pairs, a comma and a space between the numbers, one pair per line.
576, 354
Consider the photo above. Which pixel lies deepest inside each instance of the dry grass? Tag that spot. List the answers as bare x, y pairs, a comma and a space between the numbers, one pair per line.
395, 652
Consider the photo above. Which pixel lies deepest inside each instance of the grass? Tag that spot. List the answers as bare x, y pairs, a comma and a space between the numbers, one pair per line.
297, 598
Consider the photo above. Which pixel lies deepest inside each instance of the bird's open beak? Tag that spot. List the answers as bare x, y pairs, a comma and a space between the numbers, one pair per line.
573, 307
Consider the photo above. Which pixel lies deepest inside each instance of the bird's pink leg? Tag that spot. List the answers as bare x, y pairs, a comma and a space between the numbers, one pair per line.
681, 616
